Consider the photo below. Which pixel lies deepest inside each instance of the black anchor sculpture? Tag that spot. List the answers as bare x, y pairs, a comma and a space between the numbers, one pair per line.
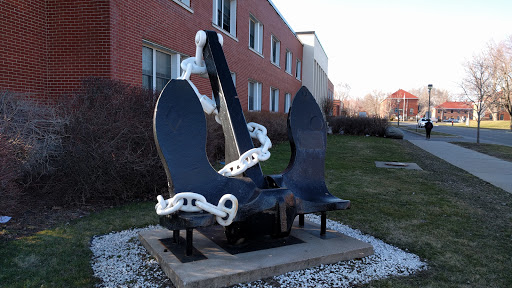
268, 205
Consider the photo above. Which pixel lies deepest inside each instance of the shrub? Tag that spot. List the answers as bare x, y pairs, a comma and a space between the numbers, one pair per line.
275, 123
109, 153
373, 126
97, 145
10, 171
35, 129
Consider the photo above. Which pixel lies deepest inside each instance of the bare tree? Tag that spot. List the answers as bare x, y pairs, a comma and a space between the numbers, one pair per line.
327, 105
342, 92
437, 96
501, 56
479, 84
371, 102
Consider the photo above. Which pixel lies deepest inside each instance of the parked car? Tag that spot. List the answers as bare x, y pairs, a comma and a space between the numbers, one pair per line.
421, 122
451, 120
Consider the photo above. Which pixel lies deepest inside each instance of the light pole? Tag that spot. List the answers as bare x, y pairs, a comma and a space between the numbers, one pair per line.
398, 106
429, 88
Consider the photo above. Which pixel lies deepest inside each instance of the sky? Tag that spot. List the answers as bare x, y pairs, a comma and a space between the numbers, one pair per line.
399, 44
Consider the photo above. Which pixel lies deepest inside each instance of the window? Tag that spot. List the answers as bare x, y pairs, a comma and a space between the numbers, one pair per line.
183, 2
274, 99
224, 15
298, 69
255, 35
158, 68
411, 111
254, 96
147, 67
287, 102
288, 63
274, 53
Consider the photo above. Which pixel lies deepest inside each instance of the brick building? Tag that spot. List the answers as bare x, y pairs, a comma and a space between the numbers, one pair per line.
48, 46
453, 110
399, 102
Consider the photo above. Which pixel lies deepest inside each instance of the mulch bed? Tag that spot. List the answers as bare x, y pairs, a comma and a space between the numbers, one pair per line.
32, 212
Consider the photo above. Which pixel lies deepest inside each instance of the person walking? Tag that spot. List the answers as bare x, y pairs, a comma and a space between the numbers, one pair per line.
428, 128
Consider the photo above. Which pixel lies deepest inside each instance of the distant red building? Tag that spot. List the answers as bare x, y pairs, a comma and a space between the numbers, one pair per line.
400, 103
337, 107
453, 110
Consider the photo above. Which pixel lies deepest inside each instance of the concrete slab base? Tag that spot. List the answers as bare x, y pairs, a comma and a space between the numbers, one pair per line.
219, 268
395, 165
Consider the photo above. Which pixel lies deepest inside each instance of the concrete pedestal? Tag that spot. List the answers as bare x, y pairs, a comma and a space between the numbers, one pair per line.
211, 265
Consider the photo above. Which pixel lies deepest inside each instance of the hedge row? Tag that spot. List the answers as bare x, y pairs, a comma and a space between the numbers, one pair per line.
362, 126
97, 145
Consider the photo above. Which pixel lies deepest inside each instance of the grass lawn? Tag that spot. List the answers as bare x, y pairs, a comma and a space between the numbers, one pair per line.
499, 151
503, 125
459, 224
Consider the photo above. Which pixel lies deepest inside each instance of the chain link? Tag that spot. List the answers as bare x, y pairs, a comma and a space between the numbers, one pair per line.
193, 202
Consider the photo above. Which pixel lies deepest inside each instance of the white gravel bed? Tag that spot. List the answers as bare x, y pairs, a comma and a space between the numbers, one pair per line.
120, 260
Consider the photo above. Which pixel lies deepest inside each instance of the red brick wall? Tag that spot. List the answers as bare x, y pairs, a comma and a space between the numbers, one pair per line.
388, 106
443, 114
166, 23
78, 43
23, 47
262, 69
50, 46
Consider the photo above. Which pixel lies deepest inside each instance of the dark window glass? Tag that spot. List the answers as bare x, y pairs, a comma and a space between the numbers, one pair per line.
219, 13
147, 67
251, 33
251, 96
226, 16
163, 69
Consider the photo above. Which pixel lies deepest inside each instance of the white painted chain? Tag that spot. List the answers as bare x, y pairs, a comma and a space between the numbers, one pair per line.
196, 65
252, 156
193, 202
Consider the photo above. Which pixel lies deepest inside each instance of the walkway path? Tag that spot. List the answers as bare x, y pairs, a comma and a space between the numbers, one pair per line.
491, 169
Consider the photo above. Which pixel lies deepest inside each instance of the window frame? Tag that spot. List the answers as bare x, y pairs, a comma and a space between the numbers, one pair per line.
288, 62
175, 63
275, 52
257, 89
287, 102
232, 16
185, 4
274, 103
298, 69
258, 35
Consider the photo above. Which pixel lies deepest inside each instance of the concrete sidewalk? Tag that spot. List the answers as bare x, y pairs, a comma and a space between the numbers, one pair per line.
491, 169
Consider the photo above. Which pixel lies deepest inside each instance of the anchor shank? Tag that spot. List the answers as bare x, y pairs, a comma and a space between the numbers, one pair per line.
234, 125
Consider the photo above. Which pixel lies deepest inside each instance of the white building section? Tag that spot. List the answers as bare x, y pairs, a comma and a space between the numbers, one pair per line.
315, 66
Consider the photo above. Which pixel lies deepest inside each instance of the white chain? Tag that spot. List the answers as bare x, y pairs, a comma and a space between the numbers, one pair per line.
252, 156
193, 202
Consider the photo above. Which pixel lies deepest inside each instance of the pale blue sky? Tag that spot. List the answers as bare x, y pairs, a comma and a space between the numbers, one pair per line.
388, 45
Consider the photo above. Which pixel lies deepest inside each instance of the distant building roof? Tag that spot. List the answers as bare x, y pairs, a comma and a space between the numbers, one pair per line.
454, 105
400, 95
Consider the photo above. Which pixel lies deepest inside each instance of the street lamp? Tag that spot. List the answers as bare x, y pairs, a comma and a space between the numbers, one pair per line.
429, 88
398, 106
